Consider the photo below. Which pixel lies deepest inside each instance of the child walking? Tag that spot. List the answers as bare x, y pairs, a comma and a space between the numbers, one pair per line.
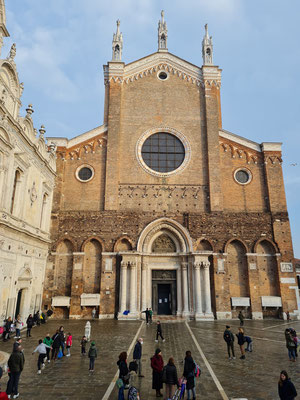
41, 349
48, 341
83, 343
69, 344
159, 332
92, 356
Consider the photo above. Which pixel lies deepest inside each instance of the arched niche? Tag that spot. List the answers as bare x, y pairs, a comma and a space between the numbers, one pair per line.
123, 244
92, 266
64, 267
267, 268
204, 245
237, 267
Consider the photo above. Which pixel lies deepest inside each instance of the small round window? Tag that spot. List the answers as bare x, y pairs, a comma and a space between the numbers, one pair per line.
162, 75
85, 173
242, 176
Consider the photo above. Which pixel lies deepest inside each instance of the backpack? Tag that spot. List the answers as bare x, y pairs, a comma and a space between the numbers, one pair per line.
133, 394
197, 370
227, 337
119, 383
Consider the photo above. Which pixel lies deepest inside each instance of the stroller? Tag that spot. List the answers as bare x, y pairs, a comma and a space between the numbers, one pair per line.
179, 394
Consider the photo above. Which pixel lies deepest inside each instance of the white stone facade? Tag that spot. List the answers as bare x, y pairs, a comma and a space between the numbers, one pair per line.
27, 174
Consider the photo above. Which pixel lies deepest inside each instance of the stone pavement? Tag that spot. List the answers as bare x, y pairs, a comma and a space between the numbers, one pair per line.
254, 378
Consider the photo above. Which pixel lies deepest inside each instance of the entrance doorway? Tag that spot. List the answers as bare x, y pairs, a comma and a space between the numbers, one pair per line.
18, 306
164, 299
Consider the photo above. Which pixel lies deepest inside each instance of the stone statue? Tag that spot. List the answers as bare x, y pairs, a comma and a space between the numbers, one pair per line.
12, 52
87, 330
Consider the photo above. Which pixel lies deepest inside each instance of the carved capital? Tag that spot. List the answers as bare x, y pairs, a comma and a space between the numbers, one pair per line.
197, 265
131, 264
184, 265
206, 264
124, 264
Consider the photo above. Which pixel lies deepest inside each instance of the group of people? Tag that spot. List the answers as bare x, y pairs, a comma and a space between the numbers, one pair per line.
292, 343
241, 339
161, 374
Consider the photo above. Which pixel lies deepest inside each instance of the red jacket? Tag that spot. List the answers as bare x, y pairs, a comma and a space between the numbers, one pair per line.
69, 340
157, 363
3, 396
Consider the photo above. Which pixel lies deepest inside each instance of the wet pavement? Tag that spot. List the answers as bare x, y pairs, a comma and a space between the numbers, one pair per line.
254, 378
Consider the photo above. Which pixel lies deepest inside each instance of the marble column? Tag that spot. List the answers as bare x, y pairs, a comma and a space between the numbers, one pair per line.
123, 291
149, 287
197, 286
185, 289
132, 304
179, 291
144, 289
207, 295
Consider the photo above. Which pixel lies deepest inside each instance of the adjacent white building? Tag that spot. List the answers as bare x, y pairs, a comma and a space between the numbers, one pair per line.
27, 173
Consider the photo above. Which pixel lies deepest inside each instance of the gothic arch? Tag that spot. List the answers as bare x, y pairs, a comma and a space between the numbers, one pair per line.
64, 267
92, 266
237, 269
128, 244
267, 268
204, 244
68, 238
257, 243
174, 229
238, 240
93, 238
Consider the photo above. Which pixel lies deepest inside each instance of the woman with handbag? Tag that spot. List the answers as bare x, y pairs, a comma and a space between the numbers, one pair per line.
157, 365
123, 374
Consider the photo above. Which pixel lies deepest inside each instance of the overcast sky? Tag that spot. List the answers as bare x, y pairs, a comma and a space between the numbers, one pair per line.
63, 44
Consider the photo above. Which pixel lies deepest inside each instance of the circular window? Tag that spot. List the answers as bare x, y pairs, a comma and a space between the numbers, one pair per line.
84, 173
242, 176
163, 152
162, 75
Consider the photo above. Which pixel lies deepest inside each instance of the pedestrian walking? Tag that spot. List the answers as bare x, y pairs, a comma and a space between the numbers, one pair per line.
288, 316
229, 339
37, 318
295, 338
291, 345
170, 378
147, 315
157, 365
286, 388
41, 349
159, 332
83, 343
69, 344
48, 341
29, 323
188, 373
92, 356
7, 328
137, 355
249, 342
241, 340
18, 324
241, 318
94, 311
15, 365
56, 342
123, 374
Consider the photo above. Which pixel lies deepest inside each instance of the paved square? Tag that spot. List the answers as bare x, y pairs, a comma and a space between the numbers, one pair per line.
254, 378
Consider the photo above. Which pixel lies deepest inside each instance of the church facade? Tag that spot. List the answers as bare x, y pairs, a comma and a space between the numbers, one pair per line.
161, 207
27, 177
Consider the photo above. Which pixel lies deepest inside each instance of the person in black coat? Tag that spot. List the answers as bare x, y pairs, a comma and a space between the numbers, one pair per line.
286, 388
241, 341
159, 332
123, 374
137, 355
55, 345
188, 373
7, 327
170, 378
30, 324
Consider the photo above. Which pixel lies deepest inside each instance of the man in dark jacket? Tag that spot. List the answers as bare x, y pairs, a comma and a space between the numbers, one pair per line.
15, 365
137, 355
229, 339
7, 327
159, 332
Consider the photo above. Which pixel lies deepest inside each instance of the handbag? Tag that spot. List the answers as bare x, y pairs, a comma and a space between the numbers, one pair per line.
60, 354
119, 383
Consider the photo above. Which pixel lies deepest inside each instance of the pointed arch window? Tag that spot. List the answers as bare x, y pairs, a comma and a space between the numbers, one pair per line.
15, 192
44, 211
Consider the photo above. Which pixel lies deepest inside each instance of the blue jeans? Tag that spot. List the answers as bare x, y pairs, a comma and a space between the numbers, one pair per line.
18, 332
92, 363
13, 383
292, 354
121, 393
189, 393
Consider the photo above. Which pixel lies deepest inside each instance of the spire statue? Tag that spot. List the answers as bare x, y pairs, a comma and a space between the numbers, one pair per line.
207, 48
117, 44
162, 33
12, 53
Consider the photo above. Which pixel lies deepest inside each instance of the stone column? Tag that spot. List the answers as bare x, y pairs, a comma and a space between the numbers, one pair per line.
149, 287
207, 296
179, 291
185, 289
123, 289
144, 286
132, 305
197, 286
